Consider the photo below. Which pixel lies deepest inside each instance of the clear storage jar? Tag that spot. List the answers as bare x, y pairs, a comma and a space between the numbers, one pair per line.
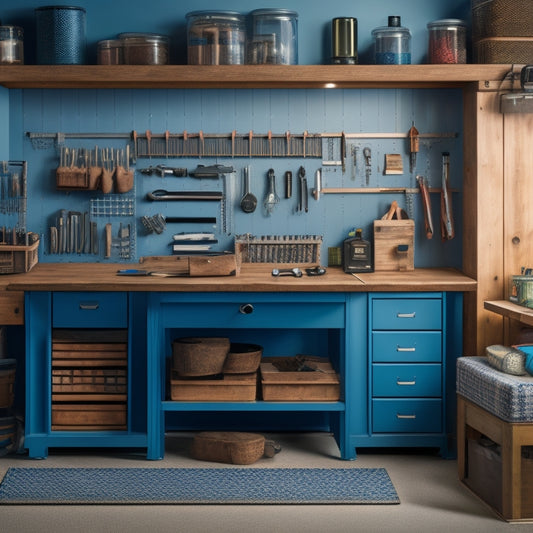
109, 52
392, 43
447, 41
11, 45
274, 37
144, 48
216, 38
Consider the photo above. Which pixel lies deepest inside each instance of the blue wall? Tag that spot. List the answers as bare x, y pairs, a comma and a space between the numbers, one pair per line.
221, 111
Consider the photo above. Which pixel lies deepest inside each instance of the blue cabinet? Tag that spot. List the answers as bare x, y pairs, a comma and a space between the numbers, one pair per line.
408, 356
73, 419
394, 352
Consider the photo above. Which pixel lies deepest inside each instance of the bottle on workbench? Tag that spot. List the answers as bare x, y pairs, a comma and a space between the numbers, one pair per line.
357, 254
392, 43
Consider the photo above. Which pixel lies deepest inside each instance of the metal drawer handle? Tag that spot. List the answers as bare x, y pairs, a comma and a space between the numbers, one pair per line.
410, 349
246, 309
89, 306
398, 382
407, 417
406, 315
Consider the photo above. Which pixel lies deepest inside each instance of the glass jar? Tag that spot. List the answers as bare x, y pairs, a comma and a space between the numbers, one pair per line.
110, 52
447, 41
274, 37
11, 45
216, 38
144, 48
392, 43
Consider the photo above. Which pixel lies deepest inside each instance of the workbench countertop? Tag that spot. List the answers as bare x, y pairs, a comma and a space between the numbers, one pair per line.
252, 278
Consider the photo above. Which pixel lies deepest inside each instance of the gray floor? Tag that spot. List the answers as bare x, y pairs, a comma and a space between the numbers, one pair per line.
431, 497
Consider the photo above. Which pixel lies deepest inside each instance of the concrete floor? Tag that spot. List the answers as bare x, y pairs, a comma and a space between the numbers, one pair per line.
432, 499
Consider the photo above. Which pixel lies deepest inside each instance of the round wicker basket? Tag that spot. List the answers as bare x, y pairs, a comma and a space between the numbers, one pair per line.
199, 356
243, 358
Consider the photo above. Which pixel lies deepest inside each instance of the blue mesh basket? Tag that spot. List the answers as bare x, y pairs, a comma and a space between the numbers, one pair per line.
60, 35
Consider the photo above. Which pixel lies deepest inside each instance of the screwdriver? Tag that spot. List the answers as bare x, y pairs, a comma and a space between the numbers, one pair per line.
414, 146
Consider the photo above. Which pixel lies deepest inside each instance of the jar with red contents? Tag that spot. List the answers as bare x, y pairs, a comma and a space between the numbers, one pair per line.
447, 41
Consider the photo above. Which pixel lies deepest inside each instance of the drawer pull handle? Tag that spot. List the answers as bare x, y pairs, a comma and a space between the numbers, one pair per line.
406, 315
246, 309
89, 306
405, 417
409, 349
398, 382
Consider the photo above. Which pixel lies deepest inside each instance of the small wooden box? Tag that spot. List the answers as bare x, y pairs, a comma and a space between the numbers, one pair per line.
394, 245
231, 388
322, 385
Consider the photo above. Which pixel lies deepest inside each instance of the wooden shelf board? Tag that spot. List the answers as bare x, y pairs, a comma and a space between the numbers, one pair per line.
247, 76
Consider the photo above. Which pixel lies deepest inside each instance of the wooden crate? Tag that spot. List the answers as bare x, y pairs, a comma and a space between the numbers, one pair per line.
89, 417
322, 385
389, 237
17, 259
230, 388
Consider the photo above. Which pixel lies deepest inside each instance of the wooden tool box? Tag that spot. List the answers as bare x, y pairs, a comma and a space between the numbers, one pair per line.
89, 380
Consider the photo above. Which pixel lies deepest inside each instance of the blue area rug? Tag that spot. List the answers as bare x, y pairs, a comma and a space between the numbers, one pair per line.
197, 486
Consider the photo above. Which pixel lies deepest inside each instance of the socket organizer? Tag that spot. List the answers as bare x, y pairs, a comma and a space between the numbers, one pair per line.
286, 249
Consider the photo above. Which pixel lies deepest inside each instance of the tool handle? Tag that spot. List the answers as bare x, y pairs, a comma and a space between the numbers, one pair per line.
108, 240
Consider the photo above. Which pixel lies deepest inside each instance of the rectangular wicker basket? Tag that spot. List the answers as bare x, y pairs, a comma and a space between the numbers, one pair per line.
501, 18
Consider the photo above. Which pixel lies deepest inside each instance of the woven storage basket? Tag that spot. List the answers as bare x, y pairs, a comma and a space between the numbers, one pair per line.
228, 447
501, 18
501, 50
199, 356
243, 358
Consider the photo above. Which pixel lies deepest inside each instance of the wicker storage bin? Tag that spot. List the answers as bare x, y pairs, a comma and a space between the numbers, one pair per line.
17, 259
500, 50
243, 358
199, 356
228, 447
501, 18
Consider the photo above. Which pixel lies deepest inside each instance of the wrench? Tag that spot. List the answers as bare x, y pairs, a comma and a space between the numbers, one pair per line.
296, 272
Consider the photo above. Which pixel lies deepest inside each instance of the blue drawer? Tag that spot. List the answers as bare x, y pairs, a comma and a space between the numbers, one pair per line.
407, 313
250, 313
90, 310
407, 347
408, 381
407, 416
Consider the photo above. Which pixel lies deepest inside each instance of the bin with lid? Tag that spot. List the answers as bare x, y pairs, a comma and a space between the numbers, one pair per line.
392, 43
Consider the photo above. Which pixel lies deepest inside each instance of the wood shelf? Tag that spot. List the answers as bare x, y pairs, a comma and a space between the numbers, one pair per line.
511, 310
249, 76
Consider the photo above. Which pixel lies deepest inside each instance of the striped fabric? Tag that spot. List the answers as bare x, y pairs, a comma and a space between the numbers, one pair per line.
504, 395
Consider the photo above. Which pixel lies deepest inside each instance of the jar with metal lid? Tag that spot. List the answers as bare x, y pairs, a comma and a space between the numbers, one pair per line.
392, 43
144, 48
11, 45
109, 52
274, 37
216, 38
447, 41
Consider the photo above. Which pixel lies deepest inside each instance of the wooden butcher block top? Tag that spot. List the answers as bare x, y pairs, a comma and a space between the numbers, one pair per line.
251, 278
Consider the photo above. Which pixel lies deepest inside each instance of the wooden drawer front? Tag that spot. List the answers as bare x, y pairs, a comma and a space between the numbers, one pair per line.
250, 314
407, 416
89, 417
423, 381
407, 313
90, 310
11, 308
407, 347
